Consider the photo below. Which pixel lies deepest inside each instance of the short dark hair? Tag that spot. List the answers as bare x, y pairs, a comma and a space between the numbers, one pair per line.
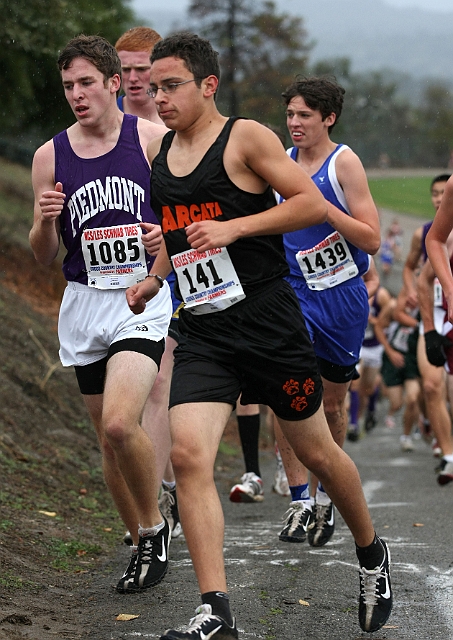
197, 54
443, 177
321, 93
96, 50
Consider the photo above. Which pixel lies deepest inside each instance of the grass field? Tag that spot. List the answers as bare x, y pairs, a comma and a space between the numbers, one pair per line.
404, 195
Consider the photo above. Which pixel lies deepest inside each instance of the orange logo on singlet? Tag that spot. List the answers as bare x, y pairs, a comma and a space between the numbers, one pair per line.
291, 387
183, 215
309, 386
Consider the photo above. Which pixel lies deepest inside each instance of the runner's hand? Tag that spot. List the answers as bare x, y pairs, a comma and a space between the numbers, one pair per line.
51, 203
435, 346
396, 358
139, 294
151, 238
210, 234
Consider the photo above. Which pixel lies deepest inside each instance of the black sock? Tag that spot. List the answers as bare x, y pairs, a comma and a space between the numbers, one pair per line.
249, 431
220, 604
370, 557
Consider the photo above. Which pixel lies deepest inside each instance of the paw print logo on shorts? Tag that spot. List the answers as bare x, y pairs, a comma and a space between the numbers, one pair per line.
299, 403
291, 387
309, 386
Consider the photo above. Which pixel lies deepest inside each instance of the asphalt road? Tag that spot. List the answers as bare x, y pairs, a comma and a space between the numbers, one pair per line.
295, 592
282, 591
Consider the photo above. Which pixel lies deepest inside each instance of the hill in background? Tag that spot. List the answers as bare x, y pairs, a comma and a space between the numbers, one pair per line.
373, 34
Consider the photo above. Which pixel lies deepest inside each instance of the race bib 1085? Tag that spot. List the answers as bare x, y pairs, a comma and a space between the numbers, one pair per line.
114, 256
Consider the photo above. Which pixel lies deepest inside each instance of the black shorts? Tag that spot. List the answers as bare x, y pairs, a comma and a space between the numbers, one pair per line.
91, 377
259, 347
173, 331
337, 372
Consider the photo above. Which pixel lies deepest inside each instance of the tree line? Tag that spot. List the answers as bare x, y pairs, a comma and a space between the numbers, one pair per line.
261, 52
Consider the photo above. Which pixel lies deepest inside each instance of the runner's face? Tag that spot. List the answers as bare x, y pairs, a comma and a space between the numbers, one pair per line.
86, 92
306, 125
136, 69
437, 191
179, 108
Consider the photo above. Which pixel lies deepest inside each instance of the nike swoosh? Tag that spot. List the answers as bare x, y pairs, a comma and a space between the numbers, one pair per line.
163, 557
387, 593
205, 637
331, 519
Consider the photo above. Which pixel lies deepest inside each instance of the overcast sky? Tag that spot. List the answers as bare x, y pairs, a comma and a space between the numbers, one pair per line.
181, 5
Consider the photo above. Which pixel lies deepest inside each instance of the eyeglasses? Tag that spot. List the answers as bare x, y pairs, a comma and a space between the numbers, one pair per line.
168, 88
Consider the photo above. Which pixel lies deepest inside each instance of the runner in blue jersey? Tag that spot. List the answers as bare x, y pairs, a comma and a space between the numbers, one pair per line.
326, 264
134, 48
92, 191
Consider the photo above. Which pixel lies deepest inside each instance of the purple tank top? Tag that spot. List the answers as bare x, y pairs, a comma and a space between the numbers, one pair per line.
426, 228
370, 339
107, 191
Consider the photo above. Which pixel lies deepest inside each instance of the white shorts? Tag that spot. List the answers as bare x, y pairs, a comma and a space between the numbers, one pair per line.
92, 319
371, 356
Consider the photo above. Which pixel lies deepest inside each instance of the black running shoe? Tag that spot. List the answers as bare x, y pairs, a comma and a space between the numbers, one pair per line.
298, 520
128, 539
148, 564
168, 506
445, 472
204, 626
323, 526
370, 421
353, 432
375, 602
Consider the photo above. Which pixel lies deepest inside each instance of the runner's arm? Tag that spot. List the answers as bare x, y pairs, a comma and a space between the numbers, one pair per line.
411, 264
44, 235
437, 245
382, 322
139, 294
425, 294
257, 157
362, 227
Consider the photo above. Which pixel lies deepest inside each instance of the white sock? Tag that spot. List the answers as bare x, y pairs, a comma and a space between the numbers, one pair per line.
150, 531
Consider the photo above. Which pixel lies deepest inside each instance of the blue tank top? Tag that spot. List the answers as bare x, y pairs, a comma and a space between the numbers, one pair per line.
326, 181
107, 191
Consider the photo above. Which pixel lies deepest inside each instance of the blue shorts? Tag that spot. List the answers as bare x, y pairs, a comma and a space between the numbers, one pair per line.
336, 320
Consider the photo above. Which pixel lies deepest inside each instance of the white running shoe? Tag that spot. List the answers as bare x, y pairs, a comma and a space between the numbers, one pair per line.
406, 443
250, 489
281, 485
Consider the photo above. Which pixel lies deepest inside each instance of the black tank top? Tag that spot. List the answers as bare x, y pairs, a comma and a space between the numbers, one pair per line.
208, 193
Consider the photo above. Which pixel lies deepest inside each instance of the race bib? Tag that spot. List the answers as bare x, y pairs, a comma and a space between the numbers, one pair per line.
328, 263
114, 256
438, 297
401, 337
207, 280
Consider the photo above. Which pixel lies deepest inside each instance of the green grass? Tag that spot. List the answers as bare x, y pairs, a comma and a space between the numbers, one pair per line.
404, 195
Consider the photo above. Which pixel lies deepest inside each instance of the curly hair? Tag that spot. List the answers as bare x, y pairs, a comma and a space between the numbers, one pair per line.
322, 94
